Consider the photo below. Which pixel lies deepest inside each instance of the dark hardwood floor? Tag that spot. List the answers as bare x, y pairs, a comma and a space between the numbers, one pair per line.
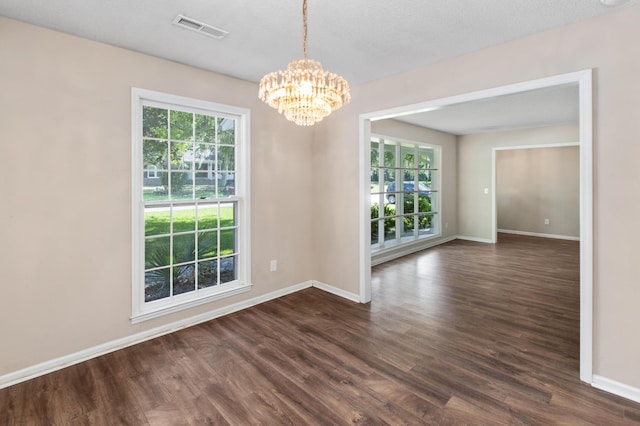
464, 333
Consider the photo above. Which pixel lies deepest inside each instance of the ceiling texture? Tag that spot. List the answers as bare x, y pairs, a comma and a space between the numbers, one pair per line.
362, 40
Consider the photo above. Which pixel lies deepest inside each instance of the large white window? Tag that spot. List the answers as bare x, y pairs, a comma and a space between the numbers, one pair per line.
404, 192
190, 202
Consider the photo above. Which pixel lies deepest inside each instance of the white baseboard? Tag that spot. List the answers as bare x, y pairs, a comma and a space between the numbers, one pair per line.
386, 256
537, 234
475, 239
337, 291
616, 388
114, 345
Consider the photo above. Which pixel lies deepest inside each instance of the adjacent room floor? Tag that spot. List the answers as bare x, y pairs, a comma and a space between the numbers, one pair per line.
463, 333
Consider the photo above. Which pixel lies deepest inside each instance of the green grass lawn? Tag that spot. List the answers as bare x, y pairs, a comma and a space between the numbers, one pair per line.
210, 222
157, 221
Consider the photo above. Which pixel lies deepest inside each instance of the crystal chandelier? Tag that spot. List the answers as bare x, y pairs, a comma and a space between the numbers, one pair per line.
305, 93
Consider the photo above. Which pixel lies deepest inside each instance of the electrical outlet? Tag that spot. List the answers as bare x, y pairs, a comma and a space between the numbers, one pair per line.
546, 221
274, 265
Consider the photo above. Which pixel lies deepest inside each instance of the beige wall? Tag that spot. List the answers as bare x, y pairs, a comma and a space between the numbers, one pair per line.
448, 168
606, 44
474, 163
538, 184
66, 199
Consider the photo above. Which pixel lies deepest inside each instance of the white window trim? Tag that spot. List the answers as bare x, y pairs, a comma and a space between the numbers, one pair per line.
140, 312
404, 242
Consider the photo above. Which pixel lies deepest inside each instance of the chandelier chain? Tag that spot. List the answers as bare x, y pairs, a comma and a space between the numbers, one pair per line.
304, 20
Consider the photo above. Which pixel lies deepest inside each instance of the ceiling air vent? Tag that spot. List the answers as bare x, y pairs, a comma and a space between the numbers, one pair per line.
200, 27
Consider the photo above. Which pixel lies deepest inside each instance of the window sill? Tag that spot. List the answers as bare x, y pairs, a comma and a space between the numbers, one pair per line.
395, 250
165, 310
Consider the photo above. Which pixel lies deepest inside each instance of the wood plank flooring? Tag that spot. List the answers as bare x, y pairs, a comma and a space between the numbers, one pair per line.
464, 333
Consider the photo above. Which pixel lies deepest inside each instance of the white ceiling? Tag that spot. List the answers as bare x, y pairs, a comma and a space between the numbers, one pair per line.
362, 40
534, 108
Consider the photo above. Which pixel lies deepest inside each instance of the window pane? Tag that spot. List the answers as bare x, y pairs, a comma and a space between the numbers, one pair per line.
207, 244
227, 215
390, 155
227, 184
207, 216
205, 154
205, 128
156, 220
424, 204
407, 176
184, 218
206, 191
154, 192
181, 125
227, 241
226, 130
157, 252
207, 273
156, 284
425, 225
407, 156
427, 158
375, 176
226, 158
184, 248
182, 156
375, 154
408, 204
390, 229
407, 223
155, 153
181, 185
184, 279
204, 161
375, 230
228, 269
154, 122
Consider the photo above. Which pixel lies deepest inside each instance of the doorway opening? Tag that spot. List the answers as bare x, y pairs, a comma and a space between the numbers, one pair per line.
583, 81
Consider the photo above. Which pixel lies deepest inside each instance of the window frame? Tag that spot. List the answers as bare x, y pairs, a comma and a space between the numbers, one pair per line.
141, 310
400, 241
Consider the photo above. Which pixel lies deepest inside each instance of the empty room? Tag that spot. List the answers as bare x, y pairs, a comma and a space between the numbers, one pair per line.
319, 212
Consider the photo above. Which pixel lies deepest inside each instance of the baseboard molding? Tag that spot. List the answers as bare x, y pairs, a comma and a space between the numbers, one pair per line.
475, 239
337, 291
406, 250
616, 388
114, 345
536, 234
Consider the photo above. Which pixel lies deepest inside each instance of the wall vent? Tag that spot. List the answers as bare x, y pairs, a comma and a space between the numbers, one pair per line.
199, 27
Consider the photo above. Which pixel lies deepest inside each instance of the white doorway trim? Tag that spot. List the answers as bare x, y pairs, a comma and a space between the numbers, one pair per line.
584, 80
